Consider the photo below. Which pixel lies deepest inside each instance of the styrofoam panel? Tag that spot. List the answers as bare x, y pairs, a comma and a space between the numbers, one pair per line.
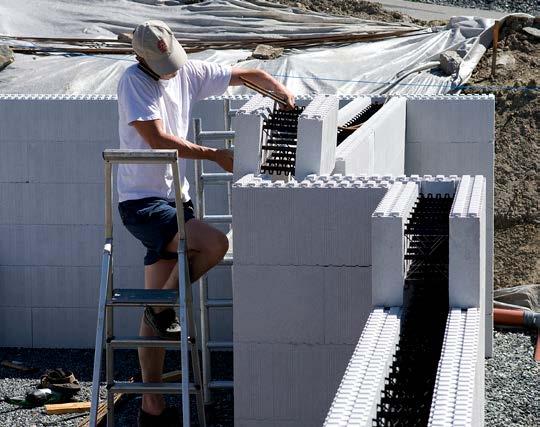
76, 120
287, 383
211, 112
52, 204
221, 321
317, 133
219, 282
128, 251
388, 243
54, 245
389, 128
77, 326
15, 287
348, 111
278, 304
452, 119
247, 124
359, 392
16, 330
326, 222
356, 155
13, 161
466, 272
73, 162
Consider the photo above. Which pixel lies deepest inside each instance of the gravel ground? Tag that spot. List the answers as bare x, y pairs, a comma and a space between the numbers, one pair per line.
525, 6
14, 383
513, 381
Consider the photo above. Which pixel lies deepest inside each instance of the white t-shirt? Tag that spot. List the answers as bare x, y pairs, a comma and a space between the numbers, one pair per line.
141, 98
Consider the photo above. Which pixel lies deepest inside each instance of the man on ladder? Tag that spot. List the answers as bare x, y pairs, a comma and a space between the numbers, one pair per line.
155, 98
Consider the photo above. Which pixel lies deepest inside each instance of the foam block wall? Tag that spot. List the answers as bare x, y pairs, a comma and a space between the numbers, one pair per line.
458, 395
388, 243
467, 250
51, 220
454, 135
302, 291
359, 393
378, 146
317, 133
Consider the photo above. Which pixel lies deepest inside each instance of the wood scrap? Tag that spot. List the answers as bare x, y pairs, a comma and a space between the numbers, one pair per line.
15, 364
67, 408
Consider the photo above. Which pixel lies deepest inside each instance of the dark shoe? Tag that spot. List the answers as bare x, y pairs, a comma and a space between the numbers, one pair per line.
165, 323
168, 418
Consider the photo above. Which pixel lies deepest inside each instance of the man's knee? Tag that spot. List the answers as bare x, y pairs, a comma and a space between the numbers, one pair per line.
217, 247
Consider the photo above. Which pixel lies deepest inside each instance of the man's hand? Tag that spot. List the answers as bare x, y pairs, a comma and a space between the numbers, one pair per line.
288, 96
224, 158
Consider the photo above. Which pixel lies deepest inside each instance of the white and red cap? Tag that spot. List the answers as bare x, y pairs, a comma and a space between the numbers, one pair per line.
155, 43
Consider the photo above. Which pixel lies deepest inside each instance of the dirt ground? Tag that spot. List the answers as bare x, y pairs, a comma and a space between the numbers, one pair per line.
517, 155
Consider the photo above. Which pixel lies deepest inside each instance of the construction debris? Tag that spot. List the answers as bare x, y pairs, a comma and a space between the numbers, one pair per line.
66, 408
6, 57
15, 364
264, 51
450, 62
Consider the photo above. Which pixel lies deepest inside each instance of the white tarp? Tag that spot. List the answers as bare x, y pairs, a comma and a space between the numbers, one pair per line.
399, 65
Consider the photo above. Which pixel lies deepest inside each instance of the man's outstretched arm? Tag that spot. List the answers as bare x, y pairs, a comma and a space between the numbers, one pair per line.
154, 135
261, 78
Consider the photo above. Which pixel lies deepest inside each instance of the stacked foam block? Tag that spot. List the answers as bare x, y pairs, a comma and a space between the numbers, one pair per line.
378, 146
302, 291
455, 135
358, 394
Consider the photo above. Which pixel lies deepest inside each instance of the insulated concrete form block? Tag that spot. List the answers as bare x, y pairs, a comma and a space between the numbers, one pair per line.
59, 118
389, 245
77, 325
378, 146
350, 110
13, 161
286, 384
317, 134
359, 392
300, 304
448, 118
458, 394
15, 287
248, 127
16, 330
323, 220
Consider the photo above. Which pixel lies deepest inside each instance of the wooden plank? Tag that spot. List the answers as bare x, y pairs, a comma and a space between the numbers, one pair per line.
66, 408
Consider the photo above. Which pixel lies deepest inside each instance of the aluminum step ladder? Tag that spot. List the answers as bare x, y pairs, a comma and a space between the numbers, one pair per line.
110, 298
202, 179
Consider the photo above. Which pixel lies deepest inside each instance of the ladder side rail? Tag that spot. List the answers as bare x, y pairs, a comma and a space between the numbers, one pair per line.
183, 278
105, 288
203, 282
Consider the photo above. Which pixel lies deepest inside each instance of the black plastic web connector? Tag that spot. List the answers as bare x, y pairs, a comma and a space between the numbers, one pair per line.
346, 130
279, 141
406, 398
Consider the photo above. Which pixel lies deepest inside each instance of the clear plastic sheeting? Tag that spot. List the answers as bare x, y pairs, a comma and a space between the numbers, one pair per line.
405, 64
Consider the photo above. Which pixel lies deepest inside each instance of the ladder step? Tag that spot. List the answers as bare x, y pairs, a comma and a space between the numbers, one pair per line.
135, 342
219, 345
217, 178
213, 135
221, 384
140, 297
138, 388
218, 219
225, 302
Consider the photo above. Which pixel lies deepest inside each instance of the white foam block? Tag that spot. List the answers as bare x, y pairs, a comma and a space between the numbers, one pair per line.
467, 244
317, 134
300, 304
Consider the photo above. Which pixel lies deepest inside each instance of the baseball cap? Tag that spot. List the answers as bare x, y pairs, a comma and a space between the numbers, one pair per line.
155, 43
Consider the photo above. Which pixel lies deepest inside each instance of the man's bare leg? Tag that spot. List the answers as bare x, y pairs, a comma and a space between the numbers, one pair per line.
206, 247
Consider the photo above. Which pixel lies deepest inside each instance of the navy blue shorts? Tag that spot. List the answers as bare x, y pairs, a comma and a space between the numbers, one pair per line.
152, 220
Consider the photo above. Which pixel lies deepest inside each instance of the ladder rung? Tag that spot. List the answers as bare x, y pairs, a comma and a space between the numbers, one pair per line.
138, 388
226, 302
135, 342
219, 345
216, 134
221, 384
218, 219
139, 297
217, 178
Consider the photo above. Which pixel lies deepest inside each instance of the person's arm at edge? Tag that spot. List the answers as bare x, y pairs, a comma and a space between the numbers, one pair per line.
154, 135
261, 78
